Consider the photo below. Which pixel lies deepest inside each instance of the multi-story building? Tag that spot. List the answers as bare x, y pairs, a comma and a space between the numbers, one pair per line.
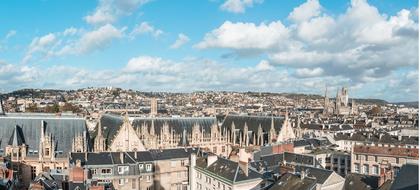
153, 169
213, 172
138, 133
378, 160
40, 142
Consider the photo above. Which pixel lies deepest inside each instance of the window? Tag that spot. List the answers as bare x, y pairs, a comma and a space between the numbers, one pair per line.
356, 168
141, 166
33, 172
376, 170
173, 163
357, 157
335, 160
182, 162
106, 171
93, 171
366, 169
376, 158
397, 160
47, 152
342, 161
366, 158
223, 148
122, 169
148, 178
121, 182
149, 167
328, 160
133, 183
214, 149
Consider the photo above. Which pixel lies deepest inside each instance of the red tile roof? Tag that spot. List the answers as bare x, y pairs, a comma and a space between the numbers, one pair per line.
391, 151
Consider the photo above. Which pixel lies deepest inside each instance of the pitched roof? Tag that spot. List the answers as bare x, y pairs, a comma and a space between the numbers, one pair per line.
360, 181
391, 151
321, 175
294, 182
253, 122
62, 129
408, 178
227, 169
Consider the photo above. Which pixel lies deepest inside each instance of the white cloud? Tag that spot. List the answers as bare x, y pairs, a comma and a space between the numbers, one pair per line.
145, 28
108, 11
238, 6
98, 39
304, 12
361, 44
245, 36
43, 45
306, 72
70, 31
180, 41
10, 34
264, 65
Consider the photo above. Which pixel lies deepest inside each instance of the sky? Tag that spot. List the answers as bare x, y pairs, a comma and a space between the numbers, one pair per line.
297, 46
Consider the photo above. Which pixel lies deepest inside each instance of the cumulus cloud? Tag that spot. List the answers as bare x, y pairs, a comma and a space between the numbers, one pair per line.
360, 44
305, 72
307, 10
238, 6
245, 36
180, 41
145, 28
108, 11
72, 41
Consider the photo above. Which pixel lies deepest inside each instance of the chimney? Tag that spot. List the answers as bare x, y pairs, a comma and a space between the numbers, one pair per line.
302, 174
135, 154
78, 163
122, 157
243, 161
399, 137
211, 158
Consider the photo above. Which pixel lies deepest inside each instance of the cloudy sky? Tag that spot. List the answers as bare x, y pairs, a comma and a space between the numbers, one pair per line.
371, 47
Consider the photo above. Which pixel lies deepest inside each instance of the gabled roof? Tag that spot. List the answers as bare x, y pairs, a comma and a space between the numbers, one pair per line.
227, 169
321, 175
408, 178
294, 182
360, 181
17, 137
62, 129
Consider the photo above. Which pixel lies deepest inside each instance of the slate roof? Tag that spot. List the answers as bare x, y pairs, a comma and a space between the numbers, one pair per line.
360, 182
17, 137
293, 182
62, 129
407, 179
321, 175
111, 158
165, 154
227, 169
252, 122
382, 138
111, 124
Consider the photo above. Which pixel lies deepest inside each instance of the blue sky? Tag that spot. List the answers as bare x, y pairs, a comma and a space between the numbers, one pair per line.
370, 47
